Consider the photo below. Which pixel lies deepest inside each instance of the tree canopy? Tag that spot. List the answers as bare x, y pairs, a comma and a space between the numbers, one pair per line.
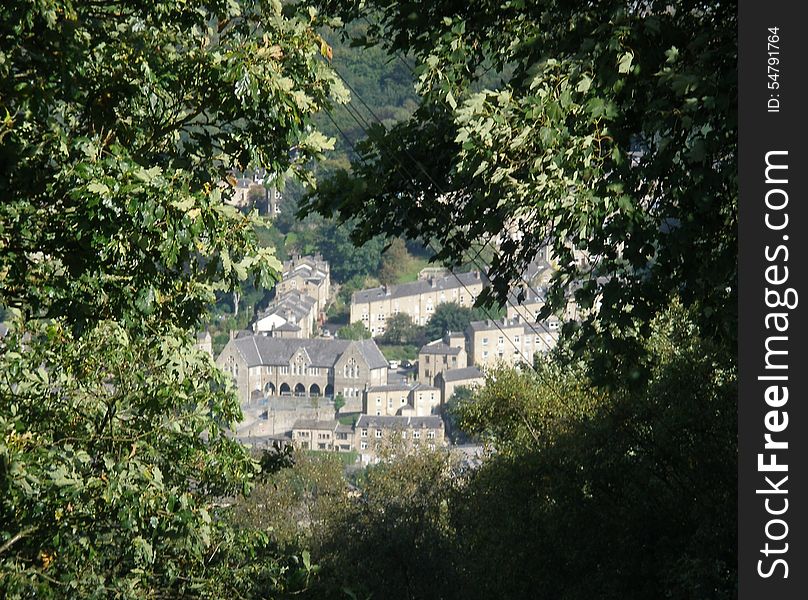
121, 123
611, 131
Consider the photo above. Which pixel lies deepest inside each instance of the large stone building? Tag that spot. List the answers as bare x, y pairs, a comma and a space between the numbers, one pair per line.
372, 433
446, 353
304, 368
509, 341
310, 275
374, 306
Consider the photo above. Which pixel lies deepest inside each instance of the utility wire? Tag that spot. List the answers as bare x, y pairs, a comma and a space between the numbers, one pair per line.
438, 187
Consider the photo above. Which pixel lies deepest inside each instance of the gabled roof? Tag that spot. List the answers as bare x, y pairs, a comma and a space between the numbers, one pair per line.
438, 347
462, 374
399, 422
263, 350
314, 424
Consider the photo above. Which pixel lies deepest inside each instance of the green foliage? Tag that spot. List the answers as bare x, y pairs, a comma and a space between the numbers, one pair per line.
649, 475
450, 316
122, 121
400, 329
613, 132
292, 504
339, 402
354, 331
399, 352
394, 541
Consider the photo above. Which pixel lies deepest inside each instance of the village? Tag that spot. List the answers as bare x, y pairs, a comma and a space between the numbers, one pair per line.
300, 383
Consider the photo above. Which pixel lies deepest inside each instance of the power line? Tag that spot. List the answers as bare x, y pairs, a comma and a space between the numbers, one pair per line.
353, 113
437, 186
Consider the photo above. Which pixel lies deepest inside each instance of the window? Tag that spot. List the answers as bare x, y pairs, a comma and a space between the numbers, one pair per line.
485, 341
501, 340
364, 433
378, 401
403, 400
378, 433
431, 435
516, 339
403, 435
389, 403
364, 445
378, 413
485, 354
416, 435
284, 370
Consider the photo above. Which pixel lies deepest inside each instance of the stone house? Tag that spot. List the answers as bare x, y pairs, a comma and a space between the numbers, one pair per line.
304, 368
308, 434
309, 275
292, 314
510, 341
372, 433
399, 399
449, 352
374, 306
450, 380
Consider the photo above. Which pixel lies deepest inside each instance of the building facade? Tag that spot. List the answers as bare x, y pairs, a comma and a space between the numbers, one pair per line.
310, 275
304, 368
449, 352
418, 299
372, 434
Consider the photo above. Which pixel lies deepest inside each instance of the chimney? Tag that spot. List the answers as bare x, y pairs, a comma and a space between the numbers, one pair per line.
504, 320
433, 283
476, 274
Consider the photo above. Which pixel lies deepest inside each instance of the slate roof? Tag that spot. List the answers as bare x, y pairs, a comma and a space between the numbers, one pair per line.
462, 374
263, 350
390, 387
288, 327
416, 288
397, 422
495, 324
313, 424
438, 347
293, 303
422, 387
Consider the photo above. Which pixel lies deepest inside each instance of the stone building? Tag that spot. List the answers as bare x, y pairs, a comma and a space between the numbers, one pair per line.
416, 400
449, 352
374, 306
510, 341
309, 434
310, 275
372, 433
450, 380
304, 368
292, 314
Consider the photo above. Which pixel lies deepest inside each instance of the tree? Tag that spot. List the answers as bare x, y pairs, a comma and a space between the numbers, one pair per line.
602, 488
395, 261
122, 123
354, 331
450, 316
339, 402
611, 131
347, 259
400, 329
